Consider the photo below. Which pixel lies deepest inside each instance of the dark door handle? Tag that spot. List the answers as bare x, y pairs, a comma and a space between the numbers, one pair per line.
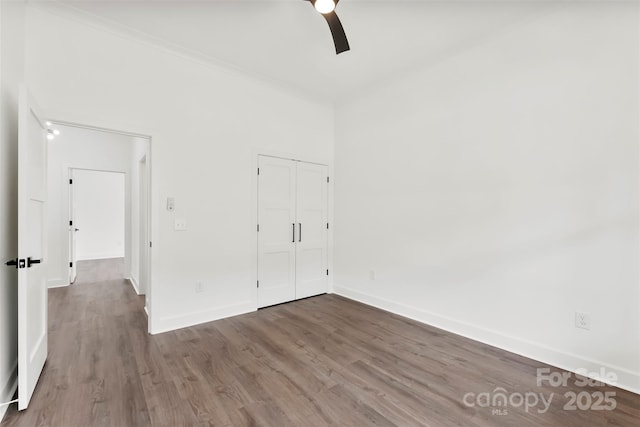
77, 229
30, 262
17, 263
293, 228
300, 232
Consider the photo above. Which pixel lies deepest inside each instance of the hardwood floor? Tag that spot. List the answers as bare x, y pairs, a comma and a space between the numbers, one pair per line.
99, 270
320, 361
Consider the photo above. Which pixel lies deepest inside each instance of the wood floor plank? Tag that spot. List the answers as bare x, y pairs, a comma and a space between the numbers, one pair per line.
316, 362
343, 408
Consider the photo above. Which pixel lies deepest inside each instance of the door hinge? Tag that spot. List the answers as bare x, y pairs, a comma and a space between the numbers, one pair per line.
327, 180
258, 284
327, 272
70, 264
70, 181
327, 226
70, 223
258, 171
150, 245
258, 228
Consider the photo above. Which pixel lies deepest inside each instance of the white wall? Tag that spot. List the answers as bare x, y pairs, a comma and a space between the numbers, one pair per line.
81, 149
496, 193
207, 126
99, 202
11, 75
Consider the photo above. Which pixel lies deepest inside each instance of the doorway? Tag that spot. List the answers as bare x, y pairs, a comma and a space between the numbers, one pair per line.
99, 184
97, 222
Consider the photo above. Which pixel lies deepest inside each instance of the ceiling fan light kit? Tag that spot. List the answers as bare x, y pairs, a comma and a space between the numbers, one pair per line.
327, 9
325, 6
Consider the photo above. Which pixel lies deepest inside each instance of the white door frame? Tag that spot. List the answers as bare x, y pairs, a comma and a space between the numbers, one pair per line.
150, 222
73, 268
143, 231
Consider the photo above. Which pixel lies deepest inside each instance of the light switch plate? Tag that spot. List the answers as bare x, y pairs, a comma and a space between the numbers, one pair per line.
180, 225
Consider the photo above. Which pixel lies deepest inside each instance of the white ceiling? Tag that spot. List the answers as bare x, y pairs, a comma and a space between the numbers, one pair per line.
289, 43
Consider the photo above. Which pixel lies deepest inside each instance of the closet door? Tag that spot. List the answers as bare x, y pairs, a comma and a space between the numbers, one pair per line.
277, 222
311, 239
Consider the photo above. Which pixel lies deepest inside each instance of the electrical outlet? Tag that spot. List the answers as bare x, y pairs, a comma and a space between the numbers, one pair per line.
199, 287
583, 321
180, 225
372, 275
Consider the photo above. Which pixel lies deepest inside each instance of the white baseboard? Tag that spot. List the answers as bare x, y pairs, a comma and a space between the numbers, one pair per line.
9, 388
134, 284
146, 311
627, 380
57, 283
172, 323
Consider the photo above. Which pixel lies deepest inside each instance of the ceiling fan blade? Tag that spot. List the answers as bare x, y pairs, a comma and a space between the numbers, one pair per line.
337, 31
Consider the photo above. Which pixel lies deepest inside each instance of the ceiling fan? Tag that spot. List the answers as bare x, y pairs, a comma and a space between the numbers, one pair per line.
327, 9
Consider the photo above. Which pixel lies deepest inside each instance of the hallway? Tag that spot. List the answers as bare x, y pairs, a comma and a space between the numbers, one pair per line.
100, 270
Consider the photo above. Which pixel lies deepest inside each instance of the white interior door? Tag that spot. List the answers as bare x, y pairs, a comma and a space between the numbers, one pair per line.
276, 234
32, 288
73, 230
311, 244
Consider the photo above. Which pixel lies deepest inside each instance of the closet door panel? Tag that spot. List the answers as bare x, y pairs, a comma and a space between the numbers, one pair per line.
311, 242
276, 219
